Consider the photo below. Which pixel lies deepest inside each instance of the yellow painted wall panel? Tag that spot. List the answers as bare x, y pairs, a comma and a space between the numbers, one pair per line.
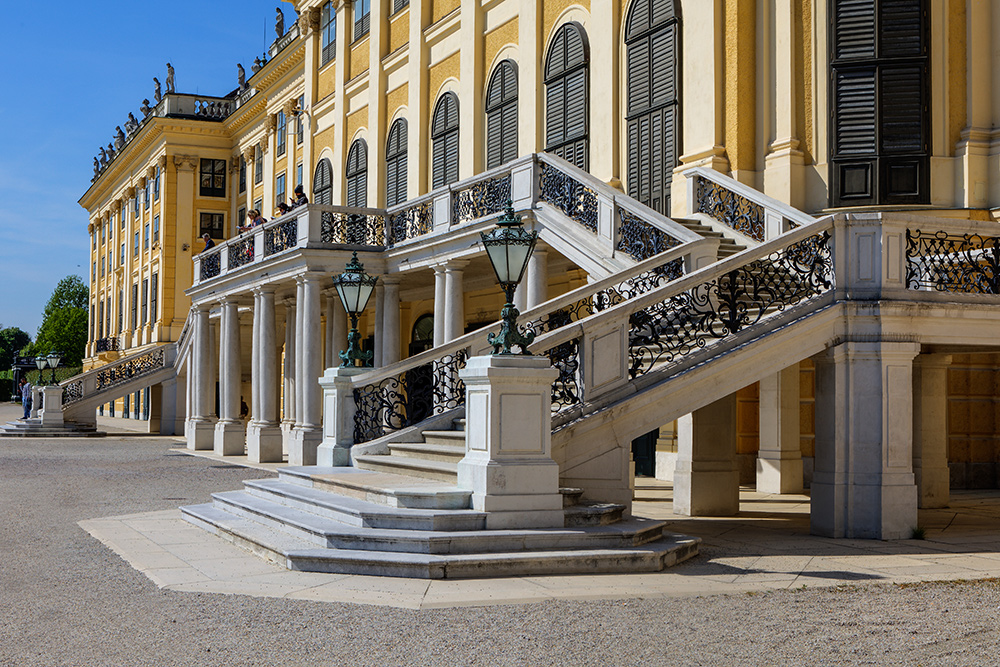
359, 58
441, 8
551, 11
399, 30
356, 121
326, 80
496, 40
740, 84
449, 67
395, 99
957, 79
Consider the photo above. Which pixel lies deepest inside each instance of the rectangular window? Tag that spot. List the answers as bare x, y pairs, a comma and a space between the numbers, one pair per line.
135, 206
100, 320
328, 27
125, 407
280, 137
241, 217
102, 267
102, 234
145, 237
156, 229
156, 185
91, 326
93, 240
243, 175
362, 16
135, 249
121, 309
111, 228
153, 286
124, 208
93, 272
212, 224
135, 304
145, 196
298, 174
145, 300
258, 204
121, 260
279, 189
258, 166
399, 5
213, 178
299, 125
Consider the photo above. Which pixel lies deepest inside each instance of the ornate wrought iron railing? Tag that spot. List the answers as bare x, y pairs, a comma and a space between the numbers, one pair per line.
569, 195
411, 222
353, 228
128, 369
211, 264
641, 240
281, 237
72, 392
481, 199
241, 251
730, 208
944, 262
107, 344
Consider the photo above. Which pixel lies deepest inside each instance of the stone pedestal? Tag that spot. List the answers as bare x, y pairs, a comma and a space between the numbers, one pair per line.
51, 412
338, 416
930, 429
264, 442
36, 401
508, 464
779, 461
707, 480
863, 485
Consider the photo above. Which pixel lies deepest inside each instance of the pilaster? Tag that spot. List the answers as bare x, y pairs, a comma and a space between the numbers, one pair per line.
707, 479
930, 429
779, 460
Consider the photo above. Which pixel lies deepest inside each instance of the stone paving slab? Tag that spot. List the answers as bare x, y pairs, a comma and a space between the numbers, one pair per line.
767, 550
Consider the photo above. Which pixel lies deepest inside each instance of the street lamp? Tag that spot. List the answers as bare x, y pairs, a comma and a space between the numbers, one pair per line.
509, 246
54, 359
41, 362
355, 287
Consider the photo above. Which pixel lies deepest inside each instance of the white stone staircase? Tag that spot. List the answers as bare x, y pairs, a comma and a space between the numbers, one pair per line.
33, 428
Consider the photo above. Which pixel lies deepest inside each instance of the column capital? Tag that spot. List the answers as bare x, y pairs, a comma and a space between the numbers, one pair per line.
454, 264
185, 162
309, 21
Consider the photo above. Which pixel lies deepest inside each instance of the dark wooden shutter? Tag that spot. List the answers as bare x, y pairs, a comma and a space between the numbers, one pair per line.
566, 96
880, 143
501, 115
357, 174
395, 164
323, 183
444, 137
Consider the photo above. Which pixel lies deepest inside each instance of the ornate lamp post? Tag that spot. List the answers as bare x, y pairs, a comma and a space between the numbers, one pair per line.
509, 246
54, 358
41, 363
355, 287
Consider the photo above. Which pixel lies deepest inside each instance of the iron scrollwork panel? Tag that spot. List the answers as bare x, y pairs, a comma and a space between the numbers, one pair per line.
211, 266
566, 391
241, 252
281, 237
568, 195
410, 223
73, 392
482, 199
731, 209
352, 229
640, 239
730, 303
969, 263
129, 369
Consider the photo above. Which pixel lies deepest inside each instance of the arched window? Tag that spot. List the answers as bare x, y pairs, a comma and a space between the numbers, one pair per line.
395, 164
323, 183
652, 39
444, 135
357, 174
566, 88
501, 115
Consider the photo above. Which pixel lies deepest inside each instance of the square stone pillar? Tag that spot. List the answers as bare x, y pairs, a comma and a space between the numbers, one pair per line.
338, 416
779, 461
51, 412
930, 429
707, 480
863, 486
508, 462
36, 401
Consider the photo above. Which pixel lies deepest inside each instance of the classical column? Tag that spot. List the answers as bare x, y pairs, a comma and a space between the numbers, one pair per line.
537, 278
230, 437
863, 484
930, 429
288, 374
454, 315
264, 432
201, 427
390, 321
379, 310
308, 432
707, 480
336, 328
779, 461
440, 304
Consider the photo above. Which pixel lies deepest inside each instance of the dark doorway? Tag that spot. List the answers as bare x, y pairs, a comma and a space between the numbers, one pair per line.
644, 454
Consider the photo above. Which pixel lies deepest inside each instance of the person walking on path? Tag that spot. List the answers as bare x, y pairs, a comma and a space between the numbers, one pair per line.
26, 397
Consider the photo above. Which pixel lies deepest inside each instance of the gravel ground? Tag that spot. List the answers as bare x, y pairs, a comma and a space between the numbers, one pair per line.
67, 600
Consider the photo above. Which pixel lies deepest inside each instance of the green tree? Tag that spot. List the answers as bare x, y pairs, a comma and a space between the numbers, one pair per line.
12, 341
64, 322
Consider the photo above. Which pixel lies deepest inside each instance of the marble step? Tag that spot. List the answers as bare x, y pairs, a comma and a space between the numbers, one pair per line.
362, 513
445, 438
430, 451
296, 554
383, 488
442, 471
33, 428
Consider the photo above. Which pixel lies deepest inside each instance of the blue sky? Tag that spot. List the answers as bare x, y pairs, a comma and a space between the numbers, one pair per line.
69, 73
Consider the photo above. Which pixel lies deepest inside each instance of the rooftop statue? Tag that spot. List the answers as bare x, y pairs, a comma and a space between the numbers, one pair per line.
131, 125
170, 78
111, 152
97, 167
119, 138
145, 108
242, 75
279, 22
156, 90
257, 64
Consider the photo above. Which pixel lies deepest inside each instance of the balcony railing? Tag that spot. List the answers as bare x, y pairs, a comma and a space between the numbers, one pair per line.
109, 344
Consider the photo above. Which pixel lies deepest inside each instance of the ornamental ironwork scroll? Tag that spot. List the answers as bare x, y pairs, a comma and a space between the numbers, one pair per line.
352, 228
410, 223
109, 344
641, 240
72, 392
129, 369
409, 398
565, 358
281, 237
241, 252
969, 263
211, 265
481, 199
567, 194
731, 209
724, 306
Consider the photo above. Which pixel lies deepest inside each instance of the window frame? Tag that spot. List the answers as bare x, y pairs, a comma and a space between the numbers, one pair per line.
280, 140
362, 10
217, 221
216, 173
328, 33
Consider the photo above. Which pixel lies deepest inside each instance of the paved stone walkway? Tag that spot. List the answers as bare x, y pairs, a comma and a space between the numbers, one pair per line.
766, 547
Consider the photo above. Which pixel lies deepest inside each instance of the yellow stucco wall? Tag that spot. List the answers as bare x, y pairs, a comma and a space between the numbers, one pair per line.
326, 79
355, 122
441, 8
449, 67
359, 57
399, 30
494, 41
741, 84
551, 10
957, 78
395, 99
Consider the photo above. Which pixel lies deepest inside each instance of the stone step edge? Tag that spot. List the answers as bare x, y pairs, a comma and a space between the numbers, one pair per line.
290, 553
444, 497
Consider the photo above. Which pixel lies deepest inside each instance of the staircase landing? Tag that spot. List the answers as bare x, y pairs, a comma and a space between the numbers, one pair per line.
32, 428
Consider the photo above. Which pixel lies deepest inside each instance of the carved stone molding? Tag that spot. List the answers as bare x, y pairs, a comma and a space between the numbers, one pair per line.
270, 123
309, 21
162, 161
130, 192
248, 154
185, 162
142, 182
287, 108
234, 164
150, 172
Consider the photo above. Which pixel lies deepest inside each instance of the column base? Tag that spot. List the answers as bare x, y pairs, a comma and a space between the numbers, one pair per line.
264, 442
303, 445
200, 434
706, 493
230, 438
514, 494
863, 511
779, 475
332, 455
